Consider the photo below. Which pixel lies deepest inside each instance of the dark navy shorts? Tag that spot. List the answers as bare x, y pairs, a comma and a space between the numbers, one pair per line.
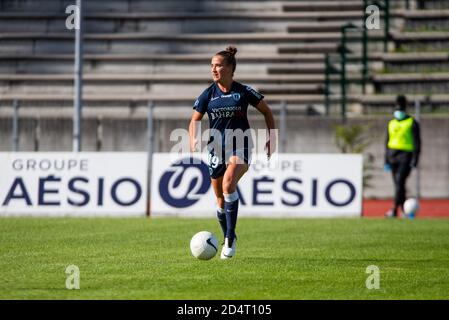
217, 166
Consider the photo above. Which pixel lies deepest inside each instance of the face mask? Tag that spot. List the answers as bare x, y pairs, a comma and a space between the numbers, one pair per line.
400, 115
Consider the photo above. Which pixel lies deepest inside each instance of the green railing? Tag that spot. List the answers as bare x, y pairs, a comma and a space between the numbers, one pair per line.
385, 7
342, 55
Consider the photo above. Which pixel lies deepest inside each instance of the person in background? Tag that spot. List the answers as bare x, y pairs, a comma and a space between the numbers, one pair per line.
402, 150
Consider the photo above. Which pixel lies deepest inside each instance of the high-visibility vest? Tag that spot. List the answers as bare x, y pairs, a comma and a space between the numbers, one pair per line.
401, 135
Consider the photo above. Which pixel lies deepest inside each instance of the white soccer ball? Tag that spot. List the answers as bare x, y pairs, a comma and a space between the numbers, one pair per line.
411, 207
204, 245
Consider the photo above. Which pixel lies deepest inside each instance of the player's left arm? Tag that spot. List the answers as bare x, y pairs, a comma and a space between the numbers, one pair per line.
417, 143
387, 164
263, 108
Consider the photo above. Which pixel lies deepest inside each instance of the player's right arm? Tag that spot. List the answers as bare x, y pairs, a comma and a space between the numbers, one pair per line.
193, 129
199, 109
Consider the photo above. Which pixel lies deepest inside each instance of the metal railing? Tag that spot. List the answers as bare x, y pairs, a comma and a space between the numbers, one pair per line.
341, 56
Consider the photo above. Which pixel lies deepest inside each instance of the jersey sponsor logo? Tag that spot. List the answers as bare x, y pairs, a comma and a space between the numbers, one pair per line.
254, 92
234, 96
183, 184
197, 102
227, 112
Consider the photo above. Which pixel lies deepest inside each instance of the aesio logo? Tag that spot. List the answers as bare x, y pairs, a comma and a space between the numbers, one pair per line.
184, 183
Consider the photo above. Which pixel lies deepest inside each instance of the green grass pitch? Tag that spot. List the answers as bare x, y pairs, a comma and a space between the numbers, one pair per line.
140, 258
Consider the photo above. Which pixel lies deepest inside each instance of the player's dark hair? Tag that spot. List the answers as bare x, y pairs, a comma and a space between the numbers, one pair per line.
229, 56
401, 102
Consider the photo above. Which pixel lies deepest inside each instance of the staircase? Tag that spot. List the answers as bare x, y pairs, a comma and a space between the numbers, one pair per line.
142, 50
418, 63
138, 50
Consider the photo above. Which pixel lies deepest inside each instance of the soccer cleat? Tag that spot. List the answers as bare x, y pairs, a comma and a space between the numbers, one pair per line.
235, 237
228, 252
403, 215
390, 214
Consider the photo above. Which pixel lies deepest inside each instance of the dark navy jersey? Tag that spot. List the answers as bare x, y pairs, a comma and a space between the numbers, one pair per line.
227, 110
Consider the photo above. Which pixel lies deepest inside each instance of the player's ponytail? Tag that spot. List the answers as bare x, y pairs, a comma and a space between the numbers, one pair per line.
232, 50
229, 56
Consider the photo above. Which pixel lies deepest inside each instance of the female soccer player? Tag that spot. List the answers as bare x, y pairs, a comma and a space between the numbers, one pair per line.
226, 103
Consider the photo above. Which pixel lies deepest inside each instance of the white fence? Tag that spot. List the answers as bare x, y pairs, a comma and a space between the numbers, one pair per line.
78, 184
116, 184
295, 185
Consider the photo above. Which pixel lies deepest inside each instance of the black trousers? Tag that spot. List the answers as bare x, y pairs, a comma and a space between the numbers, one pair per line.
400, 168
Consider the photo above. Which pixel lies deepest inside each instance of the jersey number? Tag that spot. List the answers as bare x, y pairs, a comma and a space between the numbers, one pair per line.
213, 161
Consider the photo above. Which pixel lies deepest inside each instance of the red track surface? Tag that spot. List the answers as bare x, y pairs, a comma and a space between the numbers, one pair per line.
436, 208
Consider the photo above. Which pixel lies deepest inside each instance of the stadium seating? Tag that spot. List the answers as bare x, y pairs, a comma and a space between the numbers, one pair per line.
138, 50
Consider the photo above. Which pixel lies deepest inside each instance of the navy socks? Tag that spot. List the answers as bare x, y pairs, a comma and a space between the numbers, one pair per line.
221, 215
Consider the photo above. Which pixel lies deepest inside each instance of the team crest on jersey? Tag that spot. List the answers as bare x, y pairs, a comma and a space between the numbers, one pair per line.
236, 96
